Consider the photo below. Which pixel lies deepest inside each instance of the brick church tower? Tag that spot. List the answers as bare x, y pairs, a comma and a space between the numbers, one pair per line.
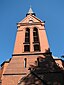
31, 43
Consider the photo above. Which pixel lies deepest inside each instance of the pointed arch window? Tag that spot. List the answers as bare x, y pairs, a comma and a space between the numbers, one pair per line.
27, 35
27, 40
35, 35
36, 39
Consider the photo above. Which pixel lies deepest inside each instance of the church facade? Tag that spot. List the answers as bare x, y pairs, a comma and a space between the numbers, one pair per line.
32, 62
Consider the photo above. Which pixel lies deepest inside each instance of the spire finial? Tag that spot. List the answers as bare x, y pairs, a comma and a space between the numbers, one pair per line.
30, 12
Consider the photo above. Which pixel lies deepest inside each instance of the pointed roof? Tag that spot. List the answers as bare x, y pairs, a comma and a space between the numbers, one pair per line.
30, 12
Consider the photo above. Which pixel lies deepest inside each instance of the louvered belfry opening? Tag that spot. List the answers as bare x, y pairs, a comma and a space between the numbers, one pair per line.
27, 40
36, 40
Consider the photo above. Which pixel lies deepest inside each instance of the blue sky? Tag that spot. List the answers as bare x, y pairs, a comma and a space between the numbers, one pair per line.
13, 11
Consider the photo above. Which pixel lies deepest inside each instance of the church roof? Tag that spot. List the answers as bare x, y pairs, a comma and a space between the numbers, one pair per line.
30, 16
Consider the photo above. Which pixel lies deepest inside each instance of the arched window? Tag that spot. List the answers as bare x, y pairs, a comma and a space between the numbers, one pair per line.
27, 35
35, 35
38, 61
25, 62
27, 40
36, 39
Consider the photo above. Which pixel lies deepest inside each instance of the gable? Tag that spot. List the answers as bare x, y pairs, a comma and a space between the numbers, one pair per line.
30, 19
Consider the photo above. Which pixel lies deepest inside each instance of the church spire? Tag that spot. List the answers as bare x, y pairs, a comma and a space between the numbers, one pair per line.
30, 12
